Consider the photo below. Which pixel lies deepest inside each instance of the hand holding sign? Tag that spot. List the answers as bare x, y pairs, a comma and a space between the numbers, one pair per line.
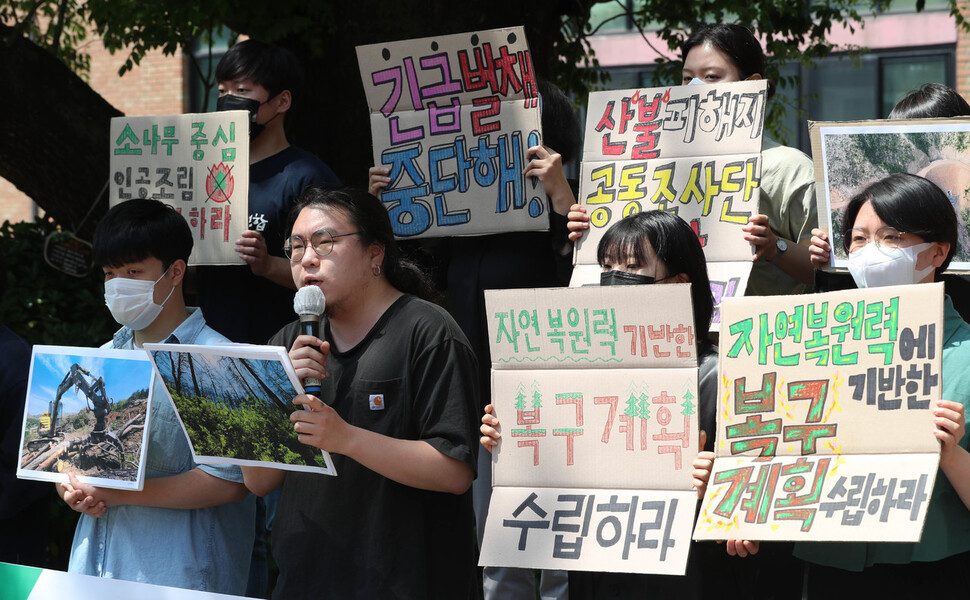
578, 222
489, 429
377, 180
702, 466
546, 165
320, 426
251, 247
820, 250
950, 425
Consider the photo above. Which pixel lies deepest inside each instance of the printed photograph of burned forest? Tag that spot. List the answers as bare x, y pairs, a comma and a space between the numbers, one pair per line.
234, 407
855, 158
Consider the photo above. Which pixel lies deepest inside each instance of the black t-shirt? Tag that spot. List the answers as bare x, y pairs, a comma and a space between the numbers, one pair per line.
361, 535
241, 306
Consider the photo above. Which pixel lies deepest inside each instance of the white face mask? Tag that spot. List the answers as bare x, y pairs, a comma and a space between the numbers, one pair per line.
877, 267
695, 81
132, 301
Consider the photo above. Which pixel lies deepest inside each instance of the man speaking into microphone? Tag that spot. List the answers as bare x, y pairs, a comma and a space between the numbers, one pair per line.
397, 408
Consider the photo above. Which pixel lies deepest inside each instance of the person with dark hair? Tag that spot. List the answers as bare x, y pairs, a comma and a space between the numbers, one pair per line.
726, 52
191, 525
658, 239
652, 247
513, 260
248, 303
24, 505
902, 230
397, 410
930, 100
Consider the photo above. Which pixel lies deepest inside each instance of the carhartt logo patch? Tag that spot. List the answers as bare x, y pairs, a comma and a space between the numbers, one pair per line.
377, 401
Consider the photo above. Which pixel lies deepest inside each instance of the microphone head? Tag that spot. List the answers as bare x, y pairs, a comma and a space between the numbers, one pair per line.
309, 300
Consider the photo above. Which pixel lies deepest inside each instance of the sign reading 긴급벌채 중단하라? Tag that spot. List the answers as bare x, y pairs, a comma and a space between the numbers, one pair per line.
452, 117
196, 163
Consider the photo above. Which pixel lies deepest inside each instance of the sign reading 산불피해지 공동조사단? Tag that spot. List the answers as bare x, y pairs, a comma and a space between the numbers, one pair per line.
452, 117
824, 429
196, 163
596, 392
694, 151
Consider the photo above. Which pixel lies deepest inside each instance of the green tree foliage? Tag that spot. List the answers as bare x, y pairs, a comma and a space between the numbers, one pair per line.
886, 152
79, 420
42, 304
121, 405
61, 27
248, 428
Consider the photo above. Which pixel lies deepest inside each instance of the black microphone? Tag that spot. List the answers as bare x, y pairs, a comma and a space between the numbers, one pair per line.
309, 303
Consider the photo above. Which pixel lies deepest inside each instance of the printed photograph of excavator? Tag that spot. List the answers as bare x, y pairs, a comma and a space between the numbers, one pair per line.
86, 415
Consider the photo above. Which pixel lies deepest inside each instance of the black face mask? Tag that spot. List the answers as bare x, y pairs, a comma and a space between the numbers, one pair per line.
231, 102
623, 278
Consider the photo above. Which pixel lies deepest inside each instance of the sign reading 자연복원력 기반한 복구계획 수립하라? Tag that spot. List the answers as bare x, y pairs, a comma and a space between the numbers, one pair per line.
824, 428
596, 392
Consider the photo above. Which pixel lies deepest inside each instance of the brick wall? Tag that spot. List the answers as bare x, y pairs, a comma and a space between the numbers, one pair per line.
155, 87
963, 54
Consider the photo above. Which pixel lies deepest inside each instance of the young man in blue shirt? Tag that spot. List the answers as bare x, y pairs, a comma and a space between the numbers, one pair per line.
191, 525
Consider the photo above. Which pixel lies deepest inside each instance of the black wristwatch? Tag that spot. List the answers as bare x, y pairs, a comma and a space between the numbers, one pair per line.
782, 245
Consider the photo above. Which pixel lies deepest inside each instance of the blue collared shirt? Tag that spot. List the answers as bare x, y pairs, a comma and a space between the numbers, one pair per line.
202, 549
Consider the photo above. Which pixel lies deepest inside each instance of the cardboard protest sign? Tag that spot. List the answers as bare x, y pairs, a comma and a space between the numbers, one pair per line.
452, 117
694, 151
824, 427
196, 163
596, 392
87, 414
234, 404
851, 155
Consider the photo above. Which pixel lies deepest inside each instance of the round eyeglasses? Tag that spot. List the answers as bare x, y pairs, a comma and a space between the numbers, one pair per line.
885, 238
321, 241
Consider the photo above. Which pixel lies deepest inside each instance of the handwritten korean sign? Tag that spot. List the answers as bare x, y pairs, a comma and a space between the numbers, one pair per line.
452, 117
597, 397
694, 151
824, 429
196, 163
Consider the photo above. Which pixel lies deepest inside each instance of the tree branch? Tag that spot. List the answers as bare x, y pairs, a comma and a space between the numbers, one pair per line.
59, 27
